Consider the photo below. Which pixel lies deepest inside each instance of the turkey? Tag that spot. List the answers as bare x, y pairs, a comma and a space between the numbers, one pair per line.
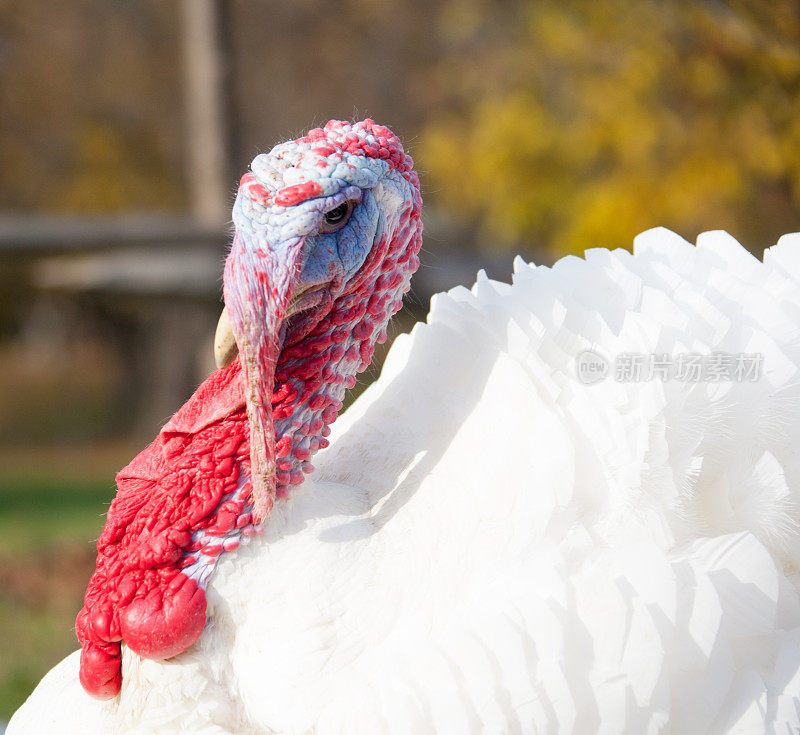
569, 503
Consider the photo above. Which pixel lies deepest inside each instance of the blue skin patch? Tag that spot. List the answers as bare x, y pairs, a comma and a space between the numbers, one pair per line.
337, 256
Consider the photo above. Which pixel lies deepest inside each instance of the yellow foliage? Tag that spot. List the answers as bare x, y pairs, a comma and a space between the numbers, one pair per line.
111, 171
592, 120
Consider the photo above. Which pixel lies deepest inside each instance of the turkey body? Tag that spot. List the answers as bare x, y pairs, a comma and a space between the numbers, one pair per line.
493, 545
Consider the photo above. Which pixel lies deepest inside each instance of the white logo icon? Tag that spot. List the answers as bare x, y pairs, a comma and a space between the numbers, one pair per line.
591, 367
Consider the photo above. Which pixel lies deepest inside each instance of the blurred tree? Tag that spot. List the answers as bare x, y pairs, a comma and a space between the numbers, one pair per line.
92, 111
89, 106
558, 123
574, 123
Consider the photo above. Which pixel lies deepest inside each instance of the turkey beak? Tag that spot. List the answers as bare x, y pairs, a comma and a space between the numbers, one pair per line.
225, 349
258, 286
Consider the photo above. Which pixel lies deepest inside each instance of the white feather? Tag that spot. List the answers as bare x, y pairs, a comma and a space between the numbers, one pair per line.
491, 545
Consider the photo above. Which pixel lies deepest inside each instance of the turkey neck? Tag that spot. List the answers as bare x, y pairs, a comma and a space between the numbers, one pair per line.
312, 374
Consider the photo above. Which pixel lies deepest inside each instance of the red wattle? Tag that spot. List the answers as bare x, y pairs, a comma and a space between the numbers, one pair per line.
100, 673
166, 621
171, 492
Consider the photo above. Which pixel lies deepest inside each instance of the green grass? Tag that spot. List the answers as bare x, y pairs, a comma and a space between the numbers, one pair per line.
52, 508
31, 643
42, 512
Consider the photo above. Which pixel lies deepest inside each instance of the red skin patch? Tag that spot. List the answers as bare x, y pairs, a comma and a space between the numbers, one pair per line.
137, 593
255, 191
291, 195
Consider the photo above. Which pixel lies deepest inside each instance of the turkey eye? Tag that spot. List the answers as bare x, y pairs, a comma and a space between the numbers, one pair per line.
336, 218
336, 215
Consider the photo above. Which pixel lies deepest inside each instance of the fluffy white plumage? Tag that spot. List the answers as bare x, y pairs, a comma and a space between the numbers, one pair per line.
490, 545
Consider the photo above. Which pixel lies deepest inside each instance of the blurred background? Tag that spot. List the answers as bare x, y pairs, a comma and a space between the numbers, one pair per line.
542, 127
